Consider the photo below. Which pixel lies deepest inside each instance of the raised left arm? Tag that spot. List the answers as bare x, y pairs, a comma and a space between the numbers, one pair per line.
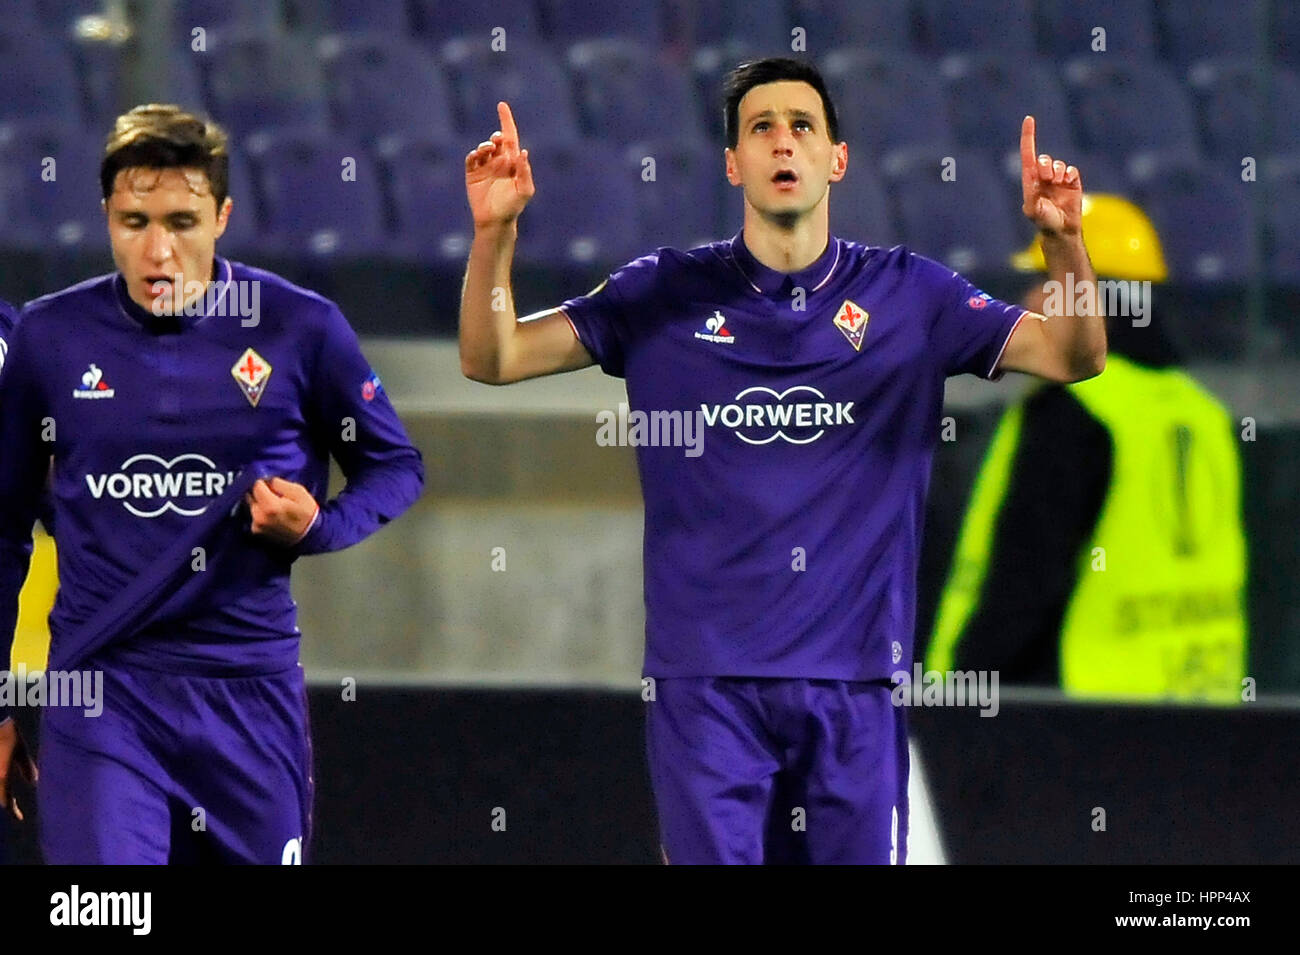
1069, 342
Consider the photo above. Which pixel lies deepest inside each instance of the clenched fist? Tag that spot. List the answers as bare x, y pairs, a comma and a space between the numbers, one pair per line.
282, 510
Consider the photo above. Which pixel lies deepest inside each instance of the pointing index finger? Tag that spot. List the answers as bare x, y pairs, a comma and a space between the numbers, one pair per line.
1028, 152
509, 130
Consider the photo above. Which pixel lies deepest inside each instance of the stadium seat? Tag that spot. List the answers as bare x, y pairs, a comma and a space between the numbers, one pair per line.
989, 94
611, 75
1101, 173
442, 20
882, 24
56, 16
425, 182
1282, 177
67, 11
581, 214
527, 75
256, 81
1285, 33
103, 72
40, 78
966, 223
1194, 30
682, 206
709, 65
1123, 106
308, 206
962, 25
1065, 27
1239, 115
49, 187
349, 16
1204, 218
22, 13
571, 21
860, 208
261, 15
241, 235
887, 100
762, 23
380, 83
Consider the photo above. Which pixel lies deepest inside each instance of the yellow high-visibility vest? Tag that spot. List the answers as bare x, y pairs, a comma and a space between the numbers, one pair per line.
32, 632
1158, 608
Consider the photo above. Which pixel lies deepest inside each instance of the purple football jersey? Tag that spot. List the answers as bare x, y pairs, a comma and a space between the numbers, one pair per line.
787, 545
151, 421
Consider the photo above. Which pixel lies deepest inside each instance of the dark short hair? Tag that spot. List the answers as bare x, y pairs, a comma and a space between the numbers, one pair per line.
155, 136
771, 70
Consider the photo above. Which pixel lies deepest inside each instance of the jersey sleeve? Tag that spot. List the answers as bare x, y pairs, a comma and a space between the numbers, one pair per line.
8, 318
383, 470
605, 319
24, 460
971, 328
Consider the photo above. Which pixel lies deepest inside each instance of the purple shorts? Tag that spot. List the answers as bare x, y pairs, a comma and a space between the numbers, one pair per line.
778, 771
179, 769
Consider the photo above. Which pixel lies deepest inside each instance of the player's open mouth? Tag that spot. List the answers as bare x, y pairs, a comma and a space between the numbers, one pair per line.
785, 179
160, 284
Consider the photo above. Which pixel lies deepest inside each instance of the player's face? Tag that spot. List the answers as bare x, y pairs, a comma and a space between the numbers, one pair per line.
784, 158
163, 225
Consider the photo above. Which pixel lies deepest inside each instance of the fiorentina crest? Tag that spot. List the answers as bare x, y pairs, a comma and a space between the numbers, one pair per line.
251, 372
852, 321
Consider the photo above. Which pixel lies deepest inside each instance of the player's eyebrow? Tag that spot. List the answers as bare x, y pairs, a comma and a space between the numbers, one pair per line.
792, 113
180, 216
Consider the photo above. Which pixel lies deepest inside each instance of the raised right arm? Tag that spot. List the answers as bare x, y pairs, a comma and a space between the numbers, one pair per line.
495, 347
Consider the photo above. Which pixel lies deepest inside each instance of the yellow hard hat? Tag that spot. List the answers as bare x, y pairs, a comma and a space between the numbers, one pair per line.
1122, 242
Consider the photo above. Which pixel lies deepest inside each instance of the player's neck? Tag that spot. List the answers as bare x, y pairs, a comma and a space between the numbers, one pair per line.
786, 249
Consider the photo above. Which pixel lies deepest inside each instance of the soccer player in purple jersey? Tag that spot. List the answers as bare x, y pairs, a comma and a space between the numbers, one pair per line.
191, 405
780, 563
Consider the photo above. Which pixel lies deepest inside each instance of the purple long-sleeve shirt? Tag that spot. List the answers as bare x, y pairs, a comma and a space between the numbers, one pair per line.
148, 421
